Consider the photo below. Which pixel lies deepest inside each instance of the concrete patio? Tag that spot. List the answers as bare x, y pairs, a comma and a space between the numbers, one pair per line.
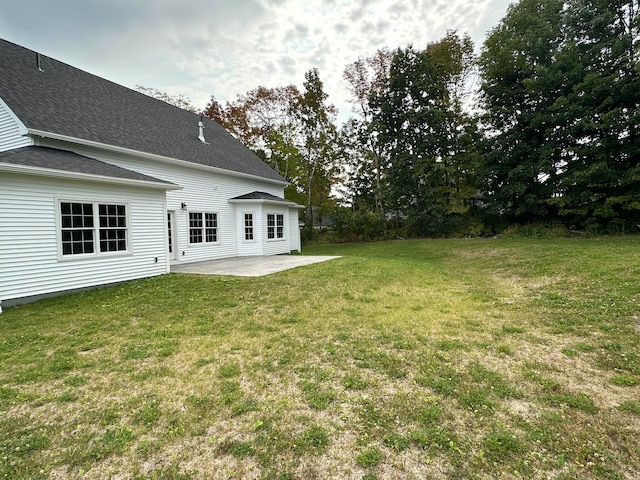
249, 266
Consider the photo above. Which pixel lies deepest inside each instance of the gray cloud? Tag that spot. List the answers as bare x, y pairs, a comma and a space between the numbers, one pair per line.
227, 47
341, 28
288, 65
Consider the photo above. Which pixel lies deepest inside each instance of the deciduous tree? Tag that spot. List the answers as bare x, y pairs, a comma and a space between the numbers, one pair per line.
520, 168
596, 119
318, 149
427, 134
180, 101
366, 160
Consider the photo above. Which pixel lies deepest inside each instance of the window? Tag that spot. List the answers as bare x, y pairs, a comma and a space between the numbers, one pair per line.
113, 228
79, 231
77, 228
211, 227
248, 226
195, 227
203, 227
275, 226
279, 226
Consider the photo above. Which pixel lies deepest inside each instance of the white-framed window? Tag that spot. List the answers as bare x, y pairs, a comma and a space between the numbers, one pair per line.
275, 226
248, 226
93, 228
203, 227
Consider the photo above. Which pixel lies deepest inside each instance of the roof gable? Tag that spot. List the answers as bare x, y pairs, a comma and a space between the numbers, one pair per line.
260, 196
263, 197
66, 101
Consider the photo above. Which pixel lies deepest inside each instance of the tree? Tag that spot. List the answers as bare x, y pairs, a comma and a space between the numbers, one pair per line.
362, 176
318, 148
454, 58
427, 135
520, 167
596, 120
365, 158
264, 120
292, 132
216, 112
561, 88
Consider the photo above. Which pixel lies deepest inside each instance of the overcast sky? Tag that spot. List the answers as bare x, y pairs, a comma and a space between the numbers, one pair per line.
228, 47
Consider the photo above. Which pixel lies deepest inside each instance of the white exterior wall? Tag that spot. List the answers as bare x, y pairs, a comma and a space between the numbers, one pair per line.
12, 132
30, 260
255, 246
295, 244
204, 191
276, 246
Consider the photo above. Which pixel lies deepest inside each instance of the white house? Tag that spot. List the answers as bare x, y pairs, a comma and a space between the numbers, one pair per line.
101, 184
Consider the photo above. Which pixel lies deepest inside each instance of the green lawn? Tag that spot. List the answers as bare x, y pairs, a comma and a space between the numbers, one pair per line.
492, 358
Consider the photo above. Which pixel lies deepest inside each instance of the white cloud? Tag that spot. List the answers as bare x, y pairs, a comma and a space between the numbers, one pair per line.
228, 47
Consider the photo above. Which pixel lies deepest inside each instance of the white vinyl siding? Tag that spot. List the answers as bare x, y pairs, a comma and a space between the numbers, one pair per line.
294, 231
277, 244
12, 132
29, 231
206, 192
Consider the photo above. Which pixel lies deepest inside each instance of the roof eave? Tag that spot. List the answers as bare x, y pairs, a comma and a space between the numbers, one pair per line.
281, 203
65, 174
149, 156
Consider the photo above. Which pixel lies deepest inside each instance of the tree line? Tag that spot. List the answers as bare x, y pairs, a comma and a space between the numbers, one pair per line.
540, 127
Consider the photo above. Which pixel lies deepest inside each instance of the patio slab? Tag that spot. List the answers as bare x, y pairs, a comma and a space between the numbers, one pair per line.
256, 266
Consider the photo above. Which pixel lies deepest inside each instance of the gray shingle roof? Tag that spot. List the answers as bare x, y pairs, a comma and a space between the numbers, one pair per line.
64, 100
51, 158
261, 196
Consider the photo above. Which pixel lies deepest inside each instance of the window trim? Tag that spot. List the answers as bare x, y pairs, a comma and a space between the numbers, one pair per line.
252, 227
95, 209
203, 228
276, 232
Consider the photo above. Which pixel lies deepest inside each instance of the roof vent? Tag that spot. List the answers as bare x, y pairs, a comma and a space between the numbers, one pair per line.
201, 131
38, 63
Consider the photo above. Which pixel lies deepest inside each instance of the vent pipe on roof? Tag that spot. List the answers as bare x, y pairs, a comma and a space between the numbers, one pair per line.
38, 63
201, 131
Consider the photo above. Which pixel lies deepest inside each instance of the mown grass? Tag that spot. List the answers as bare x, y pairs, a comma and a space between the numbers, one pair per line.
495, 358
